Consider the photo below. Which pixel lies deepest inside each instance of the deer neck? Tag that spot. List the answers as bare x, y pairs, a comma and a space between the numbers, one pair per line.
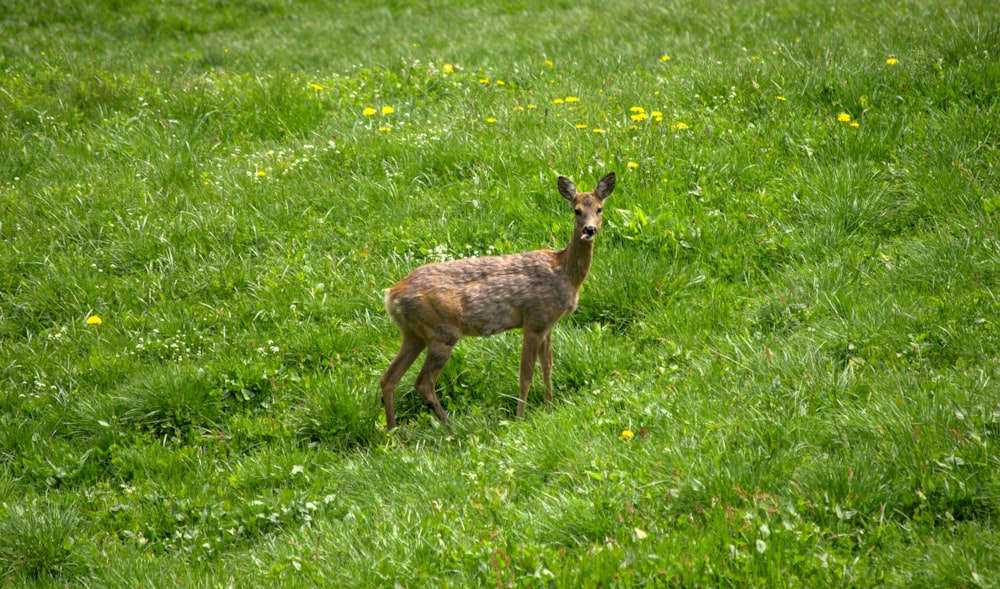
576, 258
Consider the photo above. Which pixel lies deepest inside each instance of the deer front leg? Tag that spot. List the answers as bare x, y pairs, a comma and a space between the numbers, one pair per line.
529, 353
545, 355
408, 352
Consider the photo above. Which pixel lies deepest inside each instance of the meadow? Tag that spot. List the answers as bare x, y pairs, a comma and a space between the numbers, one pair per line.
783, 369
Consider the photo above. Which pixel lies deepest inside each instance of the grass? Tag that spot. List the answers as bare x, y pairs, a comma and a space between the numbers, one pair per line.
782, 371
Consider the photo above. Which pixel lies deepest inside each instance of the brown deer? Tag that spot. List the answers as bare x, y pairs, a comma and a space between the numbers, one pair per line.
436, 304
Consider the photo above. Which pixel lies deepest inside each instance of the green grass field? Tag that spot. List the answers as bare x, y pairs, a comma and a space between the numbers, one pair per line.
783, 371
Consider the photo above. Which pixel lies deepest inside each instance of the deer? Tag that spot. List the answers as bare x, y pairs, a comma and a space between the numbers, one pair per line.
438, 303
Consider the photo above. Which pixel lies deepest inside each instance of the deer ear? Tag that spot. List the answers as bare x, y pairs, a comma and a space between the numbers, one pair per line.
566, 188
605, 186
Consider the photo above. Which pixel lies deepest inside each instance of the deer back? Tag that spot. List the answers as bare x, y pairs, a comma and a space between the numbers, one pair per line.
483, 296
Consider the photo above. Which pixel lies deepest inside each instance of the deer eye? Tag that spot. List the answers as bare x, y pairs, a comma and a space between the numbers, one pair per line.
599, 209
578, 212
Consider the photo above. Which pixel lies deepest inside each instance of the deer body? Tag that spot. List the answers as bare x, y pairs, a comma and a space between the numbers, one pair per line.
438, 303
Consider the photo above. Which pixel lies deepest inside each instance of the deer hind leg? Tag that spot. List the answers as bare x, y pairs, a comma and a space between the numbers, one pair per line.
408, 352
437, 355
545, 356
530, 348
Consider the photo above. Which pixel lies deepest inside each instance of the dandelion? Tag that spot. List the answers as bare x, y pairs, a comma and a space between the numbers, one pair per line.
95, 321
639, 117
447, 69
501, 83
484, 81
316, 87
532, 106
518, 108
637, 109
572, 99
581, 126
631, 166
844, 117
891, 61
558, 101
664, 58
681, 126
854, 124
780, 98
627, 434
261, 173
387, 110
490, 120
385, 129
598, 130
547, 63
369, 111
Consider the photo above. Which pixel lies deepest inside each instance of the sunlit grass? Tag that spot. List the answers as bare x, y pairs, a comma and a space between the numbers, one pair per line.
782, 370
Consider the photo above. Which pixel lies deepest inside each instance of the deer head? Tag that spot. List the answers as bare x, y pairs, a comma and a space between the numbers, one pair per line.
587, 206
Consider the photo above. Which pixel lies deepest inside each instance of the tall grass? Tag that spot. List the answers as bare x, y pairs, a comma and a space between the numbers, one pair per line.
783, 367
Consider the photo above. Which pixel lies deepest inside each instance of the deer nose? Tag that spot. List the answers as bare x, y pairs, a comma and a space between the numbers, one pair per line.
589, 231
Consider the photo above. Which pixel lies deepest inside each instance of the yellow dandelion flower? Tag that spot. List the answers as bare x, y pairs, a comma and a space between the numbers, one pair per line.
626, 434
664, 58
261, 173
656, 113
581, 126
633, 127
637, 109
385, 129
387, 110
484, 81
94, 320
572, 99
532, 106
547, 63
501, 83
891, 61
490, 120
316, 87
447, 69
639, 116
632, 165
681, 126
518, 108
369, 111
558, 101
854, 124
844, 117
598, 130
780, 98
